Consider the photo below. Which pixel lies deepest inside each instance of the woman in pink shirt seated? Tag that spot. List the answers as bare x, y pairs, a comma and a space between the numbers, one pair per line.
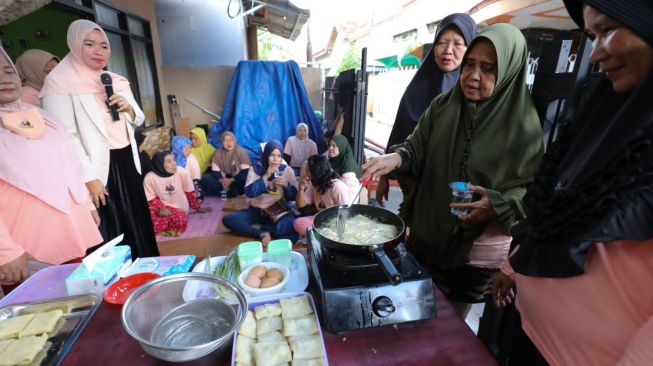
181, 149
170, 194
33, 66
585, 259
320, 189
45, 211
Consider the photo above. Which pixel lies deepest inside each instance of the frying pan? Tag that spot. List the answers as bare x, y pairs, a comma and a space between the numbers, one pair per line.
378, 250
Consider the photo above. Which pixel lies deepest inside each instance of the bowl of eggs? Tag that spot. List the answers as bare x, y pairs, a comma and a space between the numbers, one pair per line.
264, 278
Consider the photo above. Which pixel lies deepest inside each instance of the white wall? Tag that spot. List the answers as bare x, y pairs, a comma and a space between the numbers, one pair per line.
200, 33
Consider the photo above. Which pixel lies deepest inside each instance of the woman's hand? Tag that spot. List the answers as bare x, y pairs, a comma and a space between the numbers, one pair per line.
97, 192
502, 292
226, 183
304, 183
477, 211
281, 182
122, 104
164, 212
381, 165
204, 210
15, 271
96, 217
269, 173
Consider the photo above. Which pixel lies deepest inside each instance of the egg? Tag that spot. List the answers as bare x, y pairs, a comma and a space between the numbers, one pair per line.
252, 281
269, 282
275, 273
258, 271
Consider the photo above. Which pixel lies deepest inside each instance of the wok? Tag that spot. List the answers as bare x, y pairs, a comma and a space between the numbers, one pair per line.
376, 249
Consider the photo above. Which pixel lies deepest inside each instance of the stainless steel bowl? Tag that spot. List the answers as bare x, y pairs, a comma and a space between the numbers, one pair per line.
185, 316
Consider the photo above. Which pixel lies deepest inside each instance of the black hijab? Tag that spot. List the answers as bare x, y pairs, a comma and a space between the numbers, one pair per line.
157, 164
263, 165
429, 81
595, 183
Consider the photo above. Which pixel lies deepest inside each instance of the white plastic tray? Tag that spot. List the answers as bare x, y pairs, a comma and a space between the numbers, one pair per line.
269, 299
297, 282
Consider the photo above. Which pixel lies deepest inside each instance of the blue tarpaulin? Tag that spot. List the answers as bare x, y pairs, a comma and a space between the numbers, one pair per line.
266, 101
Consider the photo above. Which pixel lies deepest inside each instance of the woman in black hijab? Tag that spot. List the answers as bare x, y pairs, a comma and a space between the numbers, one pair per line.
585, 262
437, 74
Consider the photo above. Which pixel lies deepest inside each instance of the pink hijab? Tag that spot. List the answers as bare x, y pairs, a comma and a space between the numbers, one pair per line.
47, 168
72, 76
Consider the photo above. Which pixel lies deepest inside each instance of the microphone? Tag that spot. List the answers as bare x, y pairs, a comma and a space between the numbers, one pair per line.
108, 88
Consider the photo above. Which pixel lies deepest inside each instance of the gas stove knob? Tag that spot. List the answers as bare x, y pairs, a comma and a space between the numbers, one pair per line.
383, 307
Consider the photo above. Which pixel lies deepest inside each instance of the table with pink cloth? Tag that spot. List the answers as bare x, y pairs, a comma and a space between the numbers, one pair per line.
446, 340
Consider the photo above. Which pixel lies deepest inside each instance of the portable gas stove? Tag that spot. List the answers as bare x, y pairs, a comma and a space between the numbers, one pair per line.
355, 293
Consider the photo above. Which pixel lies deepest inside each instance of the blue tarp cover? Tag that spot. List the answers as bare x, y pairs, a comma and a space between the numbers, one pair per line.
266, 101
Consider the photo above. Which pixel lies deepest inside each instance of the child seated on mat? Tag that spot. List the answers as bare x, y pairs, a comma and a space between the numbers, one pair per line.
320, 189
170, 193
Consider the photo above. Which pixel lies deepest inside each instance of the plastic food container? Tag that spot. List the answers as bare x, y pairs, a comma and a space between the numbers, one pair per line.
280, 251
249, 253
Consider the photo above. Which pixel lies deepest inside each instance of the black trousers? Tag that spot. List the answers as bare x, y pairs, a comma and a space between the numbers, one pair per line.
126, 211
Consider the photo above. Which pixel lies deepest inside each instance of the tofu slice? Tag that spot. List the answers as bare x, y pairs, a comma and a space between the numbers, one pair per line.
248, 328
272, 353
300, 326
295, 307
11, 327
267, 311
23, 351
245, 350
271, 337
41, 323
306, 347
267, 325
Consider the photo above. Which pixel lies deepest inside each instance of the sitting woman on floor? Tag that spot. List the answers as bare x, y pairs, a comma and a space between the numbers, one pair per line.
299, 147
181, 147
320, 189
229, 168
170, 193
266, 197
343, 162
201, 148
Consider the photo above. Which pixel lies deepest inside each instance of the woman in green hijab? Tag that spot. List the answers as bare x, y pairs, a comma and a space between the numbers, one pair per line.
485, 131
342, 161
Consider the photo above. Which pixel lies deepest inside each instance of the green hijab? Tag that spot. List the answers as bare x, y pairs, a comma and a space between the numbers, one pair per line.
505, 150
344, 162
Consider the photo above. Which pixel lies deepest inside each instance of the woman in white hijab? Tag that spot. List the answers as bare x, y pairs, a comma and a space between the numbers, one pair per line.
299, 147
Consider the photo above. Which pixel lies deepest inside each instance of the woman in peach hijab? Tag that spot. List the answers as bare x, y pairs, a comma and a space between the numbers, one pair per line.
74, 92
45, 211
33, 66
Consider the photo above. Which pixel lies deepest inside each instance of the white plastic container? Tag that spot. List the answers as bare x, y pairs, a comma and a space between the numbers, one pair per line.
252, 291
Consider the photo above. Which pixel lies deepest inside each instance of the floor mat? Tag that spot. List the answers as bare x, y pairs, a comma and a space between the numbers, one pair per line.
201, 224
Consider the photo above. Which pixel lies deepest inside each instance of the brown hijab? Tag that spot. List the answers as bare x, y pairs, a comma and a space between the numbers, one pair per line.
229, 161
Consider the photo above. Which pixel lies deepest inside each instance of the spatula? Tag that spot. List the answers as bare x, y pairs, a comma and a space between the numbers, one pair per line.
343, 211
